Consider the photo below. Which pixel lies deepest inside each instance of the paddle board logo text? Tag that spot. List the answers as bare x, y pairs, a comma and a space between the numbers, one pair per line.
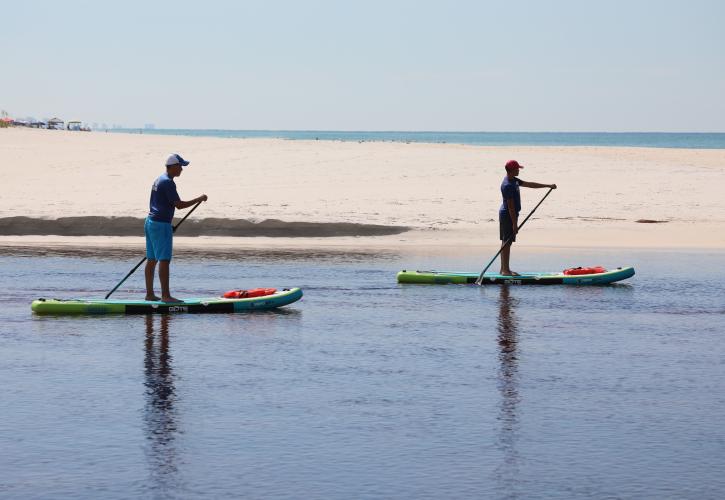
178, 309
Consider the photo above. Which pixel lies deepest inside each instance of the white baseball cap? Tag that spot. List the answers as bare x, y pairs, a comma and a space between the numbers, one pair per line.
176, 159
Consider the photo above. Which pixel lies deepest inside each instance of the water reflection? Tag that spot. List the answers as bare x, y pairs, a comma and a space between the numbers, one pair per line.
508, 385
160, 414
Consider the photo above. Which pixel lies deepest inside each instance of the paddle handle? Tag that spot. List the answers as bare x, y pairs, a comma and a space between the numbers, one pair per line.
480, 277
173, 229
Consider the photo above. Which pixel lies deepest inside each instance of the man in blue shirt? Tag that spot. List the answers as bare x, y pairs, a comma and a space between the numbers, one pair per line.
508, 214
159, 232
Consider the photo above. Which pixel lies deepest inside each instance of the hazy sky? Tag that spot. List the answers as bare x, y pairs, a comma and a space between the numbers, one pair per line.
368, 65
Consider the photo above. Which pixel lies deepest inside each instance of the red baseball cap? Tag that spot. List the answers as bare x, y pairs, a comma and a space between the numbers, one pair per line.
511, 164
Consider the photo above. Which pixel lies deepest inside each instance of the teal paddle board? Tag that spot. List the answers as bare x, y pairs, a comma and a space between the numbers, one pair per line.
189, 306
555, 278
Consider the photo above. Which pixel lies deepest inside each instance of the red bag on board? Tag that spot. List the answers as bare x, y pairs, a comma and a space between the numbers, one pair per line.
245, 294
574, 271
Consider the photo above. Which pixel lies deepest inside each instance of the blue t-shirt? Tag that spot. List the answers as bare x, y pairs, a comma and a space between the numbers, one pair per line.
163, 197
510, 190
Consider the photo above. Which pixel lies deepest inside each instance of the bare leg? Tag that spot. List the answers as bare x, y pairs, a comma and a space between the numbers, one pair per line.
164, 278
149, 274
505, 261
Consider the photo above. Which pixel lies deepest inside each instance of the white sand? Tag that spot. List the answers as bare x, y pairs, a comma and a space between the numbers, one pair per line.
448, 193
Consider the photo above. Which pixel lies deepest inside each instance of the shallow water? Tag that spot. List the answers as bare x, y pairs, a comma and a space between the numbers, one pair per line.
366, 388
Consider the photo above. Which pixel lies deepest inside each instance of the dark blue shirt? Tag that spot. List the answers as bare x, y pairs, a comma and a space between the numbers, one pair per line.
510, 190
163, 197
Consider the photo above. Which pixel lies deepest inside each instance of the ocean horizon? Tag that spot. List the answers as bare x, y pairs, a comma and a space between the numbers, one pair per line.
687, 140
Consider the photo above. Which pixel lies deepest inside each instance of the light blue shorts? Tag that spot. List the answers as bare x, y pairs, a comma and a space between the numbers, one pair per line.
159, 237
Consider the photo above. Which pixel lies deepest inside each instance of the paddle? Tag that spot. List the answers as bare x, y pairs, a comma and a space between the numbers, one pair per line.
480, 277
144, 259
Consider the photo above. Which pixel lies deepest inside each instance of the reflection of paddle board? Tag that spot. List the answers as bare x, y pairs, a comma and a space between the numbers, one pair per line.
204, 305
559, 278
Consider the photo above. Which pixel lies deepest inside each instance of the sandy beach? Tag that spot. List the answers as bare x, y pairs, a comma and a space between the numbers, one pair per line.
432, 195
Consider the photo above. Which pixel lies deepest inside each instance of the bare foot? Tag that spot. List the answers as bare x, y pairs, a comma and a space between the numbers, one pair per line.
509, 273
152, 298
170, 299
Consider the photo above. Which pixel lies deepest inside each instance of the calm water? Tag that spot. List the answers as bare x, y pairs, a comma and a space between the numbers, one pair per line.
366, 388
624, 139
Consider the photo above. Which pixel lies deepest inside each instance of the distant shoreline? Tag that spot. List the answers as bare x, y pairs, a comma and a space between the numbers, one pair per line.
667, 140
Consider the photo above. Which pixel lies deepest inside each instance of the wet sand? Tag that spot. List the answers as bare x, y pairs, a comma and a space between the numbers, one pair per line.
130, 226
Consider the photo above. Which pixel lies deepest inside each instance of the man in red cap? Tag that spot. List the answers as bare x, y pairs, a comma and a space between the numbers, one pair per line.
508, 214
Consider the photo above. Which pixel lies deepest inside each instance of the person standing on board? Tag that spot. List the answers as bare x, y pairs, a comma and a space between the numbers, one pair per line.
159, 232
508, 214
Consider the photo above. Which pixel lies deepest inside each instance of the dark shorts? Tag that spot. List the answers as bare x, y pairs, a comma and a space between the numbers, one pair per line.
505, 227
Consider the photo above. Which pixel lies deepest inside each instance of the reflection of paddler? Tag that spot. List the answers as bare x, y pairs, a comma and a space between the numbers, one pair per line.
159, 375
160, 414
506, 322
508, 386
507, 340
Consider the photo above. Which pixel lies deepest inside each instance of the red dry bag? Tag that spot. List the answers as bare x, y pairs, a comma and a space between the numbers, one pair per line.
245, 294
574, 271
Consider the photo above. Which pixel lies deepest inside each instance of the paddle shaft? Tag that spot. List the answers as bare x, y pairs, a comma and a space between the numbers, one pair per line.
480, 277
144, 259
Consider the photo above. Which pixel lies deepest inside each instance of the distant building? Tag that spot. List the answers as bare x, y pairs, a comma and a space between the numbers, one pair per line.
5, 120
149, 126
55, 124
77, 125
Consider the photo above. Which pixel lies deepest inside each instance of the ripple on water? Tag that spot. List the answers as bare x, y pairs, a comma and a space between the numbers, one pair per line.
365, 388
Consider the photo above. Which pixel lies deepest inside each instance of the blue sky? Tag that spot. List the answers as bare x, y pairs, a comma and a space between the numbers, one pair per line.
375, 65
